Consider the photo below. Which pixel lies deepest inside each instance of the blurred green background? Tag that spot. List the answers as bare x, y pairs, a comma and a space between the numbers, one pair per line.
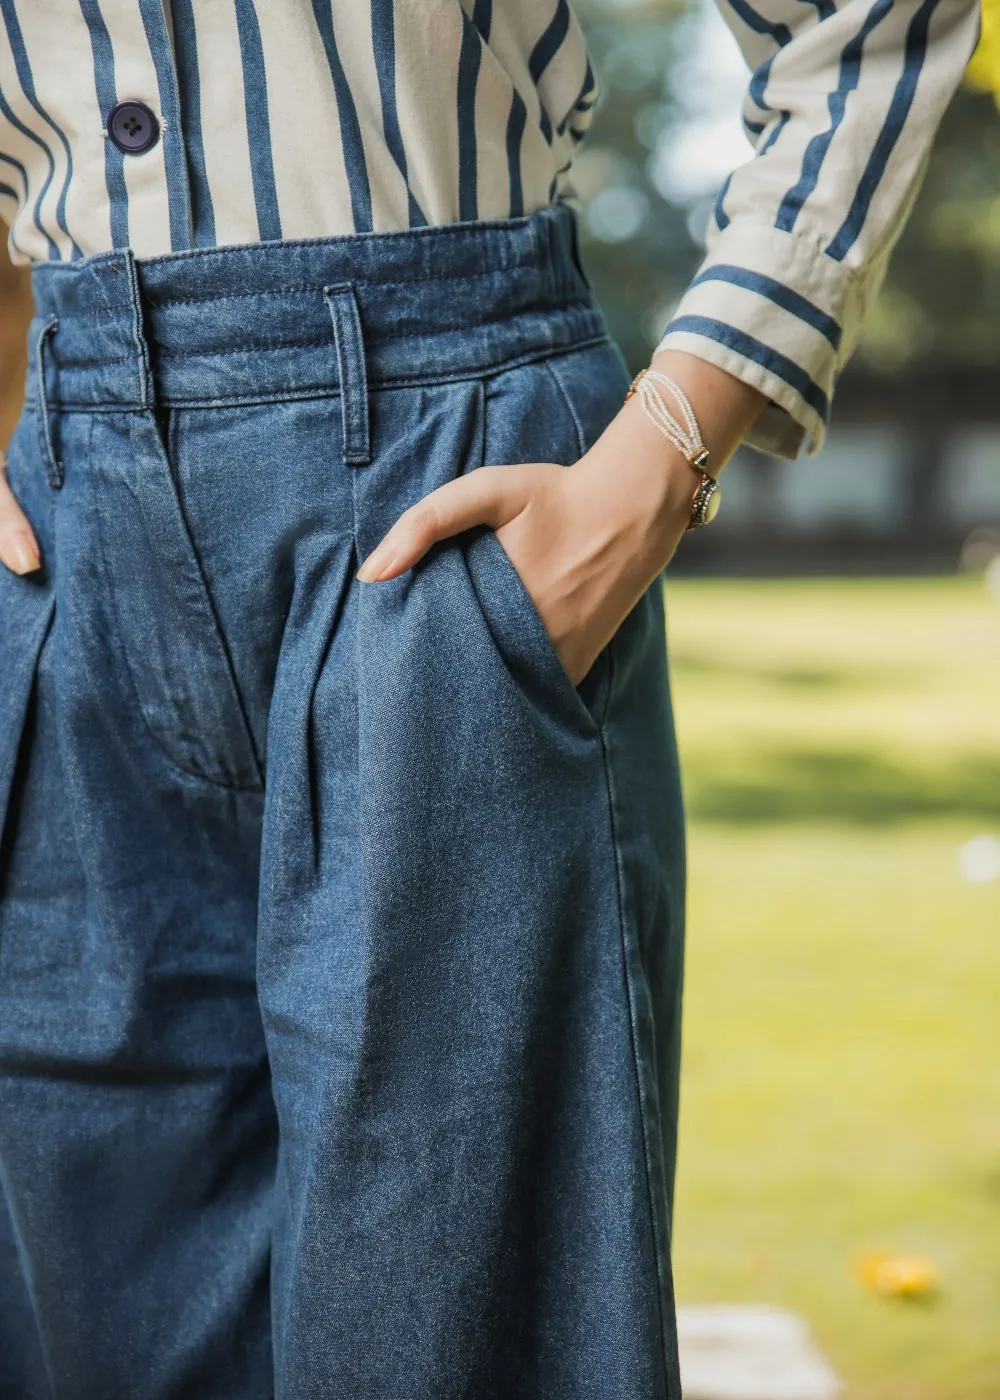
835, 640
840, 1078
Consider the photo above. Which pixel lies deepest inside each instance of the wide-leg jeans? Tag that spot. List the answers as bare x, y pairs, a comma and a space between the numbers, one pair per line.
340, 933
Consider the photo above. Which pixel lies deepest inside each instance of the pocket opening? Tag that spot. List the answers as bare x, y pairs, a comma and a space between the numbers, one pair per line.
552, 410
524, 645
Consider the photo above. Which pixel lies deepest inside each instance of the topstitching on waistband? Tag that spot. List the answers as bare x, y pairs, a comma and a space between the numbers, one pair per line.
250, 323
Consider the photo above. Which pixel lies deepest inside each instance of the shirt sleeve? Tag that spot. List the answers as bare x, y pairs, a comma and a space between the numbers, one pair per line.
844, 101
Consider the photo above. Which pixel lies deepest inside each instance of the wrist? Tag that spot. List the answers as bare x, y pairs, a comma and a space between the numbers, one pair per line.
645, 485
679, 446
725, 407
650, 485
651, 474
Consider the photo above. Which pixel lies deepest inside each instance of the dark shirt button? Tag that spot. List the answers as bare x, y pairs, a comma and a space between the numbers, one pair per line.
133, 128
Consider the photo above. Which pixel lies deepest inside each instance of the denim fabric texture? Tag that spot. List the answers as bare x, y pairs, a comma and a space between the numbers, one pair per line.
340, 933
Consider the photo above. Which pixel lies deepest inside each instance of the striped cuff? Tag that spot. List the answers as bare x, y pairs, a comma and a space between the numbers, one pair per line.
777, 312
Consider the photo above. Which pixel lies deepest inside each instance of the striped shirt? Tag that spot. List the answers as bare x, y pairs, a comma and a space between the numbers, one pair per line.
309, 118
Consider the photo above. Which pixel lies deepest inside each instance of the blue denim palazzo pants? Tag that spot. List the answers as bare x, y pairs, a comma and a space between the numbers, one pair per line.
340, 933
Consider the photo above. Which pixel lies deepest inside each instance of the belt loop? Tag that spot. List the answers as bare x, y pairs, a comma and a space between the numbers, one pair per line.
144, 373
342, 303
53, 467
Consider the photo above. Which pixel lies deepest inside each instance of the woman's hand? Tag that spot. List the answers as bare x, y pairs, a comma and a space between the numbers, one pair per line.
586, 540
18, 546
584, 547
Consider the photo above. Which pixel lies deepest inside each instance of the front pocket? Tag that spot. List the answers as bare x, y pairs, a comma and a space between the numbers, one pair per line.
550, 410
524, 644
167, 625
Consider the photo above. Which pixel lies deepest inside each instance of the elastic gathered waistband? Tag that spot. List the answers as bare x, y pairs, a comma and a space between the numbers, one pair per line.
267, 321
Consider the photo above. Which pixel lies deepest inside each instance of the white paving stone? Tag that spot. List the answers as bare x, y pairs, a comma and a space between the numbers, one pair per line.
736, 1351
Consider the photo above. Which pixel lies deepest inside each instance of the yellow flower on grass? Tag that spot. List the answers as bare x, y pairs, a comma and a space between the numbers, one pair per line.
896, 1275
984, 70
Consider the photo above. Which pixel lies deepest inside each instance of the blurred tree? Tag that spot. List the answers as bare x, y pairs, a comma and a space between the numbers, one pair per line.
642, 247
929, 356
940, 306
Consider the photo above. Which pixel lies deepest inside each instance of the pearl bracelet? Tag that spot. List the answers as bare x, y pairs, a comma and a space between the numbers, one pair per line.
686, 436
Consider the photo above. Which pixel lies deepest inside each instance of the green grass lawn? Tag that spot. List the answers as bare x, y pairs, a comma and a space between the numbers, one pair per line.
841, 741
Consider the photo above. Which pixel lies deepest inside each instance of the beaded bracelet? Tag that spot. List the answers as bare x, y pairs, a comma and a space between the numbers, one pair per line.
685, 437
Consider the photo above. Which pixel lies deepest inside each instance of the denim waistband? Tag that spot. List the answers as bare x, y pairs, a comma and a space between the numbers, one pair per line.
275, 320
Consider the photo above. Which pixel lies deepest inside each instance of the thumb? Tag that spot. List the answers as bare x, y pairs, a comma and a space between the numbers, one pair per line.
486, 496
18, 546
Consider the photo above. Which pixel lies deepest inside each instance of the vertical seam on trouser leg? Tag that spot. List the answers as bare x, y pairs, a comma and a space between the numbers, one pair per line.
342, 303
32, 1291
659, 1246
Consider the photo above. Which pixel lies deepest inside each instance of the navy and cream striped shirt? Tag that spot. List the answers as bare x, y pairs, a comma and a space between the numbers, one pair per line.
307, 118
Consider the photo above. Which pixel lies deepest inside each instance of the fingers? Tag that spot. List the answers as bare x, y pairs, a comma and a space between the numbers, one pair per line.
18, 546
486, 496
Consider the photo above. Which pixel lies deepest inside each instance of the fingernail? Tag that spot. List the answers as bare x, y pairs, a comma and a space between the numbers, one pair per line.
25, 558
377, 563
